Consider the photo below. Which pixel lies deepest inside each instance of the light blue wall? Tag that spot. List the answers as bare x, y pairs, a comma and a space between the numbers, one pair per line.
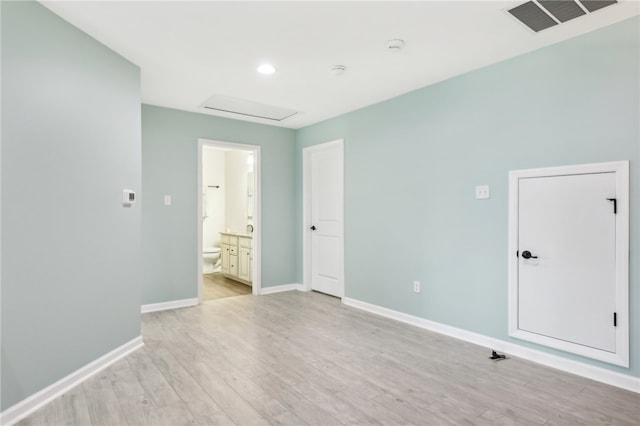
70, 251
412, 163
71, 143
169, 166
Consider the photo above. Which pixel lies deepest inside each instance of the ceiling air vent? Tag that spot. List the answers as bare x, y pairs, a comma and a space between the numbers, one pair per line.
593, 5
247, 108
562, 10
542, 14
532, 16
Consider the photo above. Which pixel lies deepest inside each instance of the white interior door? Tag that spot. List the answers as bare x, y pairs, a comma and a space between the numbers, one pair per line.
566, 267
324, 242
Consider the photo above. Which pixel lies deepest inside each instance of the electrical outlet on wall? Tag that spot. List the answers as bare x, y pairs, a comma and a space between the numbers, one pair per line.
482, 192
416, 286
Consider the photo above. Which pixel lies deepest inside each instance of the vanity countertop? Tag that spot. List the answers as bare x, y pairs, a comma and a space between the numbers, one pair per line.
237, 234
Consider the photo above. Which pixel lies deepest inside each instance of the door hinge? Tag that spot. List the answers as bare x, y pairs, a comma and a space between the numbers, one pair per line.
615, 319
615, 204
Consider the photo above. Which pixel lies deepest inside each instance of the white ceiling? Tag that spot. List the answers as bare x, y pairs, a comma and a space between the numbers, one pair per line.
189, 51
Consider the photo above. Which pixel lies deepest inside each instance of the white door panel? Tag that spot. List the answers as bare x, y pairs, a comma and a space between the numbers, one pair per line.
568, 242
568, 292
324, 228
326, 266
325, 213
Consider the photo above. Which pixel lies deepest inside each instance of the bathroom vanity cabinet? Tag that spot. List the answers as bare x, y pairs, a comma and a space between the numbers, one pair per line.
237, 255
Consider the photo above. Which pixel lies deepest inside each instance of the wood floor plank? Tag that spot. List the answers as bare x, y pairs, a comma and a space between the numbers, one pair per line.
102, 402
412, 413
68, 410
203, 408
46, 416
169, 406
134, 403
289, 362
233, 404
493, 418
216, 286
237, 376
298, 403
303, 358
73, 408
623, 406
229, 400
345, 410
254, 386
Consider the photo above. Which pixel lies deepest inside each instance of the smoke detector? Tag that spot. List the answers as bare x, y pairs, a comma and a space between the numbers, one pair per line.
338, 70
394, 45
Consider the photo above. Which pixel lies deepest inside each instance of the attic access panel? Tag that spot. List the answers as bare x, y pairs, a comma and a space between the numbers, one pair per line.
247, 108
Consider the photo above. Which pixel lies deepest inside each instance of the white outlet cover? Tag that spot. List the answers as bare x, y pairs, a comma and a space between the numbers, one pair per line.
167, 200
482, 192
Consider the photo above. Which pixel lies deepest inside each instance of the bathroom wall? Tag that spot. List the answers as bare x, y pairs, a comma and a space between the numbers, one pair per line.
213, 174
70, 251
236, 195
169, 166
412, 163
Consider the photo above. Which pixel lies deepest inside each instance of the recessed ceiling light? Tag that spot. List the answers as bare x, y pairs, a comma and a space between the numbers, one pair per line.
266, 69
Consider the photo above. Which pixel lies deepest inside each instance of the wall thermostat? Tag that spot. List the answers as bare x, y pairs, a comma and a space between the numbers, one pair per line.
128, 197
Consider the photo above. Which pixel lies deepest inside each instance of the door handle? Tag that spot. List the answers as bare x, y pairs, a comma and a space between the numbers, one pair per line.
313, 227
527, 255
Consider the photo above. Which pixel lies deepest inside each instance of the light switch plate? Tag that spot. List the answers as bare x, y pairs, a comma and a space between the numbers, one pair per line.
482, 192
167, 200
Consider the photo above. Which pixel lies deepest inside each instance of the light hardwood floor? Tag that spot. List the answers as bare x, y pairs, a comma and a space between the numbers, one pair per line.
304, 358
217, 286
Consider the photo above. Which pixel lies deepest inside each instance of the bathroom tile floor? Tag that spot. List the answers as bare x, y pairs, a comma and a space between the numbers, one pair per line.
217, 286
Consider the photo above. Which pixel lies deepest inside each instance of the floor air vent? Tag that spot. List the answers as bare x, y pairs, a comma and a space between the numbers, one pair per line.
247, 108
542, 14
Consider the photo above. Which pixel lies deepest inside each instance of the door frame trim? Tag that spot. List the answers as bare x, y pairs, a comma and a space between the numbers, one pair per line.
621, 170
306, 213
256, 282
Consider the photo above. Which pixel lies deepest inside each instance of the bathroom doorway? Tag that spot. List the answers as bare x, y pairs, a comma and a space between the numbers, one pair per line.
228, 222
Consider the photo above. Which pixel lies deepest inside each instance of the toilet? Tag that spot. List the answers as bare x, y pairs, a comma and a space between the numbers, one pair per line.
210, 260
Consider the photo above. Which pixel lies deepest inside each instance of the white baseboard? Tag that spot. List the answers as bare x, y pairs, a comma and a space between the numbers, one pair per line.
173, 304
30, 404
599, 374
280, 288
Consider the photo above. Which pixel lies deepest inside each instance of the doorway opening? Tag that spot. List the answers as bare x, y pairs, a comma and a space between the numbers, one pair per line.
228, 222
